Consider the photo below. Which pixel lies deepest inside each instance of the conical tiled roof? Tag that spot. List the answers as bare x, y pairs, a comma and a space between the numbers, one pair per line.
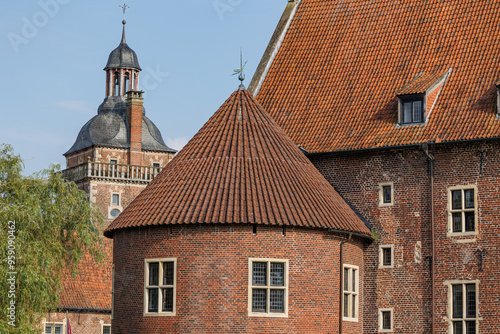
240, 168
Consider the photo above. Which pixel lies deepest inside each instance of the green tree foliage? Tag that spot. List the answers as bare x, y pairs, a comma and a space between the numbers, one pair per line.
54, 226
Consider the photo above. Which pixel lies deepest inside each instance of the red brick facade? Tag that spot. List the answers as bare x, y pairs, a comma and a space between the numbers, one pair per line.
212, 278
407, 223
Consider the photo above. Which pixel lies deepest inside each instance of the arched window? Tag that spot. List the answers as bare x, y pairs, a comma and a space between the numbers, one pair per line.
117, 84
127, 82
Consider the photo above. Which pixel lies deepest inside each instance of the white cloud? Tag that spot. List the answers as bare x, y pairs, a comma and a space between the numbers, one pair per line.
177, 143
78, 106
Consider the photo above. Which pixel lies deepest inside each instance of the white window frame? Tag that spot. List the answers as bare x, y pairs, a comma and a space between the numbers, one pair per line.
450, 318
62, 324
112, 199
160, 286
267, 287
102, 328
463, 210
380, 320
381, 194
352, 270
381, 256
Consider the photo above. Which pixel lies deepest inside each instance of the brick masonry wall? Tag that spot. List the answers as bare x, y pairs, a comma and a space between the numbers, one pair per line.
212, 278
406, 225
81, 323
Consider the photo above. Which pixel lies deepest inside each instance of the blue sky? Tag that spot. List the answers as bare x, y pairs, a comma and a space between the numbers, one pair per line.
53, 53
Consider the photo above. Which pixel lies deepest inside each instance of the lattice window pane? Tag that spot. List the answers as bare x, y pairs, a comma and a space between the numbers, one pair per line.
168, 300
259, 273
456, 199
106, 330
259, 300
407, 112
152, 300
168, 273
387, 256
277, 301
470, 327
458, 327
277, 274
354, 302
458, 301
470, 224
346, 279
154, 273
470, 300
58, 329
417, 111
346, 304
386, 320
353, 280
469, 198
48, 329
457, 221
387, 196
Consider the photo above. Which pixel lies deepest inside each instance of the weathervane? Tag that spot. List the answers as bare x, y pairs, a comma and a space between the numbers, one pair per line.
124, 8
239, 71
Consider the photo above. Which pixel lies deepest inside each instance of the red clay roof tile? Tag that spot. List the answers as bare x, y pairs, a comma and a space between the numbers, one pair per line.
334, 82
240, 168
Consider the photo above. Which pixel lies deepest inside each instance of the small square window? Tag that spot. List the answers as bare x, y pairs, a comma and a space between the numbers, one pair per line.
113, 161
160, 286
268, 288
462, 211
386, 194
386, 256
385, 320
156, 165
106, 329
115, 199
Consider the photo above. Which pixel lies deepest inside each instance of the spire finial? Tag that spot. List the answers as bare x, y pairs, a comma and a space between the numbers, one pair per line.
239, 71
124, 8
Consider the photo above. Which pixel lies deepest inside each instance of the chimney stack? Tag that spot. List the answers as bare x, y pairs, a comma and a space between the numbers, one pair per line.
135, 103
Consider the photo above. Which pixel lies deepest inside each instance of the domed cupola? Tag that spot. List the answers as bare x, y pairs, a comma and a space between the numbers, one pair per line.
122, 69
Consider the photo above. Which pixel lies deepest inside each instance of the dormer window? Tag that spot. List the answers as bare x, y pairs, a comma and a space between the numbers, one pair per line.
417, 98
412, 109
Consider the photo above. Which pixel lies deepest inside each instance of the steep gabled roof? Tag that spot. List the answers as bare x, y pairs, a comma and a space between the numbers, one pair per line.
240, 168
332, 82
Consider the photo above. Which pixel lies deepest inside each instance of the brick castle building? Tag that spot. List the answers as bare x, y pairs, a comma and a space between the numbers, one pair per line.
116, 154
396, 104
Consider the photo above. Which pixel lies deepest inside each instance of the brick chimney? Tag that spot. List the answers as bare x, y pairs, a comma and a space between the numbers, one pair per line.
134, 116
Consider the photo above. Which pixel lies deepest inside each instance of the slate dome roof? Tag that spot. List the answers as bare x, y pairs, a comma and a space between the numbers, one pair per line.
240, 168
123, 56
110, 128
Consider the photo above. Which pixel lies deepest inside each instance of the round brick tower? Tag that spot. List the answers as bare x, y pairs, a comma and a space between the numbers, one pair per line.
239, 233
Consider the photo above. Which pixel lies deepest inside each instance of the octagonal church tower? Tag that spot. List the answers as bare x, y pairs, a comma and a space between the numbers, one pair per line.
115, 155
240, 233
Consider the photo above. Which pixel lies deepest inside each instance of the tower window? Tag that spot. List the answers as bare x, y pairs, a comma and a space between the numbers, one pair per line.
268, 288
115, 199
127, 80
117, 84
351, 292
160, 286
